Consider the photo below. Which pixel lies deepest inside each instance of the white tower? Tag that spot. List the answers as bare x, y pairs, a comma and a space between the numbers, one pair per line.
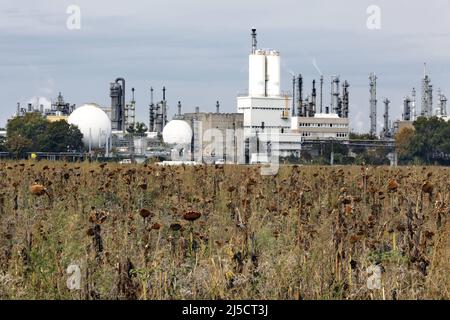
264, 107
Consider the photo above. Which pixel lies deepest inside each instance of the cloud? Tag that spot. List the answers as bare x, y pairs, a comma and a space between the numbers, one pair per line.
199, 49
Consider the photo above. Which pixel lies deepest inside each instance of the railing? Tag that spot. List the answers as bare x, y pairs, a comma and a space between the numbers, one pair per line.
282, 94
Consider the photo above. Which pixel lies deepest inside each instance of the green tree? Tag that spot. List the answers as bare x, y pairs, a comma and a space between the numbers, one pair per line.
19, 145
3, 147
31, 126
137, 129
33, 132
61, 136
431, 137
403, 140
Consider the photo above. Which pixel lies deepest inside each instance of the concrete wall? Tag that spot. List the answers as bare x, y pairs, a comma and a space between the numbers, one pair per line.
215, 128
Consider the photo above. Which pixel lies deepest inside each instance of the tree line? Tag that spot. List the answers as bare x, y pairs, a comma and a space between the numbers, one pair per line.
34, 133
427, 143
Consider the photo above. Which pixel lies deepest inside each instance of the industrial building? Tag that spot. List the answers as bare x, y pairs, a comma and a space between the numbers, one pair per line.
217, 136
321, 127
410, 112
58, 110
268, 120
268, 111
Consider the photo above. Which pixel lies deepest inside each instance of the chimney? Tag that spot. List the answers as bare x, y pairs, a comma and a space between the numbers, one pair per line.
300, 96
197, 109
179, 108
217, 107
254, 42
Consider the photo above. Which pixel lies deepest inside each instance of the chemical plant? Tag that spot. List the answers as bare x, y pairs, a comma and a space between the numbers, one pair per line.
268, 121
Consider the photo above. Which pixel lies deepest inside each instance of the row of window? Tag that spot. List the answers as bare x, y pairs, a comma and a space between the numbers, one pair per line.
338, 135
263, 108
265, 127
323, 125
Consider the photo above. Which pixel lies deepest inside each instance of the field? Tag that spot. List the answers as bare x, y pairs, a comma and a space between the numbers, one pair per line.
106, 231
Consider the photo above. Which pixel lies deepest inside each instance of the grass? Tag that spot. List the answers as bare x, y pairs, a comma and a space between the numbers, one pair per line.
306, 233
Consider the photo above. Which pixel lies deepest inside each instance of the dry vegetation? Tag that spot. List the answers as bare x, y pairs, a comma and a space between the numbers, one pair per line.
214, 232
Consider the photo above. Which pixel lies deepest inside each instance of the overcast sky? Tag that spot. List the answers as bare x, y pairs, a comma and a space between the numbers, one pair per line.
199, 49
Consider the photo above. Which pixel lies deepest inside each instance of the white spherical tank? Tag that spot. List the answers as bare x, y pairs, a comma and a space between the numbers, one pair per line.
177, 132
93, 123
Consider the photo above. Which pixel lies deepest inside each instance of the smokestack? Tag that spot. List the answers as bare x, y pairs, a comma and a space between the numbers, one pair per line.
132, 94
164, 93
413, 105
313, 99
197, 109
151, 125
254, 42
217, 107
293, 96
18, 108
179, 108
118, 104
373, 104
151, 95
345, 99
386, 131
300, 95
321, 94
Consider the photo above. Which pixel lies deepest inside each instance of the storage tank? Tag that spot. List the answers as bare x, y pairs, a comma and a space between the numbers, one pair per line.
93, 123
177, 132
257, 74
273, 73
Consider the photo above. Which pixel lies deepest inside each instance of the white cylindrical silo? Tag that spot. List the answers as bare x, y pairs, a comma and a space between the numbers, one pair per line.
257, 74
273, 73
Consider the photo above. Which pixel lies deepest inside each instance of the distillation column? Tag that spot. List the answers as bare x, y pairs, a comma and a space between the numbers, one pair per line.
373, 104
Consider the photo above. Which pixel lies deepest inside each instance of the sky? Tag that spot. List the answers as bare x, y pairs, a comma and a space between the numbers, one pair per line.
198, 50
